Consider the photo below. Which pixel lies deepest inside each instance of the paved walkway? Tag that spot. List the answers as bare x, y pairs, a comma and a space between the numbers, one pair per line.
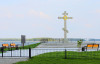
72, 44
11, 60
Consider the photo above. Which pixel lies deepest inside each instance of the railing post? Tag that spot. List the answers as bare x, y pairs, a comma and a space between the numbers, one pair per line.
29, 52
2, 49
20, 52
65, 54
11, 52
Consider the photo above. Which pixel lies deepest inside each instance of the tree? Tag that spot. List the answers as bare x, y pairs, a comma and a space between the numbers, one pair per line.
79, 43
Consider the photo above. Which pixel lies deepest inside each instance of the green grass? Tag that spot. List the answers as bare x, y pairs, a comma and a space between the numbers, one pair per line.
59, 58
30, 46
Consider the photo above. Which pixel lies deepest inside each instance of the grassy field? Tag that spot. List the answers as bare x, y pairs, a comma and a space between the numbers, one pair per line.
30, 46
59, 58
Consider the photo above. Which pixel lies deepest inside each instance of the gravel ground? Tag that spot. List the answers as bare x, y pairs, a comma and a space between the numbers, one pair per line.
11, 60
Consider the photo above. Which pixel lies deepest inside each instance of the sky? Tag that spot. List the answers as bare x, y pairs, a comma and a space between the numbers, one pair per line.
39, 18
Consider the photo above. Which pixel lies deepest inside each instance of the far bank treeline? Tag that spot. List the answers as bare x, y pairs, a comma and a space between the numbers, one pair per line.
32, 39
47, 39
40, 39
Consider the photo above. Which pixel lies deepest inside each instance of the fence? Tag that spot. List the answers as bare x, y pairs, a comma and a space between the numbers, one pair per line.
63, 53
12, 52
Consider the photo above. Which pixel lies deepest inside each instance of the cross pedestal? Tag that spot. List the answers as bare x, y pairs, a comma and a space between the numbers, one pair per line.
65, 40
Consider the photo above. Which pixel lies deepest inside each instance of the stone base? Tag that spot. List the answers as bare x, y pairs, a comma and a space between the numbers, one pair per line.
65, 40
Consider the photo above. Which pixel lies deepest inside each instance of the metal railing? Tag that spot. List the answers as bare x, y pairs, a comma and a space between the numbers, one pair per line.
12, 52
65, 53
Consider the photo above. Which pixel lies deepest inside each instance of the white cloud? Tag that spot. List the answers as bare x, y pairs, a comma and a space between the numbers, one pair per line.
98, 11
39, 14
4, 26
88, 25
9, 15
44, 15
32, 12
6, 15
43, 26
20, 15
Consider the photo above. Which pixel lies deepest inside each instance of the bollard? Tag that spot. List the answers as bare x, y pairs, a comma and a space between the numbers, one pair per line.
20, 52
65, 54
2, 49
11, 52
83, 48
29, 52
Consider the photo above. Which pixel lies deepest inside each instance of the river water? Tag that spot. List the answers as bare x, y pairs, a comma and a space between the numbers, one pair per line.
17, 42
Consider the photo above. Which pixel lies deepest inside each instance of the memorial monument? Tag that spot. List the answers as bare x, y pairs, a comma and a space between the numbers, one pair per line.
65, 17
61, 44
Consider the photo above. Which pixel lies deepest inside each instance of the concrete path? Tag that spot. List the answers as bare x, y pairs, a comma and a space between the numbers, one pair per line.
11, 60
72, 44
